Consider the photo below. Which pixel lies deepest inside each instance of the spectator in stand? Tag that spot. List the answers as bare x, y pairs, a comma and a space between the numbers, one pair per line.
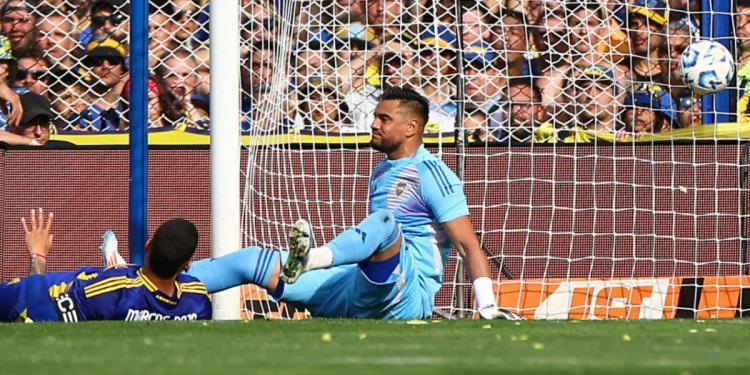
596, 108
551, 36
437, 71
678, 36
33, 71
587, 31
484, 82
17, 20
476, 130
260, 29
171, 28
109, 19
646, 18
596, 40
742, 33
57, 38
36, 121
689, 110
308, 60
514, 44
200, 36
9, 138
525, 111
642, 114
161, 112
390, 18
261, 58
108, 76
11, 109
257, 75
356, 61
161, 31
477, 21
177, 69
351, 10
322, 109
202, 57
185, 22
595, 36
679, 9
69, 99
398, 64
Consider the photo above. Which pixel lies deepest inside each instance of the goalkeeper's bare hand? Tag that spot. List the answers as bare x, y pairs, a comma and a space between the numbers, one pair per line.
493, 312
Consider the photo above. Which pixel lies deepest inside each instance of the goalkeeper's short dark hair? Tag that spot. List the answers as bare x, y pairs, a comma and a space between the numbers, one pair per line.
172, 246
412, 99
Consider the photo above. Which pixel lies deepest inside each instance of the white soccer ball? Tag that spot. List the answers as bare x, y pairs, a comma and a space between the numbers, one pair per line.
707, 67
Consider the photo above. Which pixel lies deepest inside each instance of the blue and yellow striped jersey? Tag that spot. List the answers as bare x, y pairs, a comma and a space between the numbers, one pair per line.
105, 294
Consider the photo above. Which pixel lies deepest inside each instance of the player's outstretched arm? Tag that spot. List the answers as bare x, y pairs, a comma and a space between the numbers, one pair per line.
38, 240
461, 233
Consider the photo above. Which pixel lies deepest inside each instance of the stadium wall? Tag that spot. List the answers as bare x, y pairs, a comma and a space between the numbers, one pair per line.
551, 211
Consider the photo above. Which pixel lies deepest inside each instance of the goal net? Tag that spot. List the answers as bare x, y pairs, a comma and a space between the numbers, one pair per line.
600, 186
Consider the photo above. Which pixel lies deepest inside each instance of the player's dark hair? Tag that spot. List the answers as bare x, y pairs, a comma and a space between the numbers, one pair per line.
410, 98
172, 246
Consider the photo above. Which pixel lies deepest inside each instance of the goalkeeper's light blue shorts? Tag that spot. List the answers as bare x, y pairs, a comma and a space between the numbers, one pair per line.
346, 291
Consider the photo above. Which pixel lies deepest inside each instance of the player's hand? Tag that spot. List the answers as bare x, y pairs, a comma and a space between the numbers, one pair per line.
493, 312
38, 236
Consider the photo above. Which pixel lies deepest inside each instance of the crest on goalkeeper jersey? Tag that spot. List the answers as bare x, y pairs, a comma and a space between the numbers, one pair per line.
400, 188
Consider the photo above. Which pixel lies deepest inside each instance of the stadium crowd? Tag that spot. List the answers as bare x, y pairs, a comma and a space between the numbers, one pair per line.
521, 70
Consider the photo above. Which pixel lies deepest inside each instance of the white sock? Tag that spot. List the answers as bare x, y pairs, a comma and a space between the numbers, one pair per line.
114, 259
319, 257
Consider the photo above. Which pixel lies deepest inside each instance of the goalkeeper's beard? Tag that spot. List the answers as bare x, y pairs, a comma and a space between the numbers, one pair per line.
382, 145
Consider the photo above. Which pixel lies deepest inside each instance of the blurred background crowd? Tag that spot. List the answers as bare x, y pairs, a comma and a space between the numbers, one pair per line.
516, 70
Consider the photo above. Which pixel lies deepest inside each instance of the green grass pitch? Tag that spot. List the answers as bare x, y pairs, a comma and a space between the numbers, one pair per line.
376, 347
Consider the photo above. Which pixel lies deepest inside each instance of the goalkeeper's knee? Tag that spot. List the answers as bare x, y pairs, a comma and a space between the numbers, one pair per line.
375, 233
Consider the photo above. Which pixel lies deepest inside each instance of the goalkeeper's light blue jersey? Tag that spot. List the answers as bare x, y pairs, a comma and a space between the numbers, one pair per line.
421, 192
101, 294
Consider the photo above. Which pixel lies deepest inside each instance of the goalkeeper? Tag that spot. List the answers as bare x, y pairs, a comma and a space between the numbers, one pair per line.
391, 265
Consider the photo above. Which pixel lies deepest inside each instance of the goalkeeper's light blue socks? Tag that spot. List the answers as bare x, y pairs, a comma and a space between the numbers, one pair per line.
255, 265
252, 265
375, 233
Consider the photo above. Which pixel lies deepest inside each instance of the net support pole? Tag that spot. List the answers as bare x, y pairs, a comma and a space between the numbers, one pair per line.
138, 198
460, 138
225, 144
716, 24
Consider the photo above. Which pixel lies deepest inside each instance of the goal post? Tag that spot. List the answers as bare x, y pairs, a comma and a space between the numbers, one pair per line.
225, 145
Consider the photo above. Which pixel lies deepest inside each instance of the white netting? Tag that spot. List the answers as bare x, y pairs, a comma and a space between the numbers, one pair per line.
608, 230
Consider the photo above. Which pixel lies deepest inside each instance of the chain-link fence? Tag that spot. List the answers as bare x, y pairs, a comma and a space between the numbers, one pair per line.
524, 70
